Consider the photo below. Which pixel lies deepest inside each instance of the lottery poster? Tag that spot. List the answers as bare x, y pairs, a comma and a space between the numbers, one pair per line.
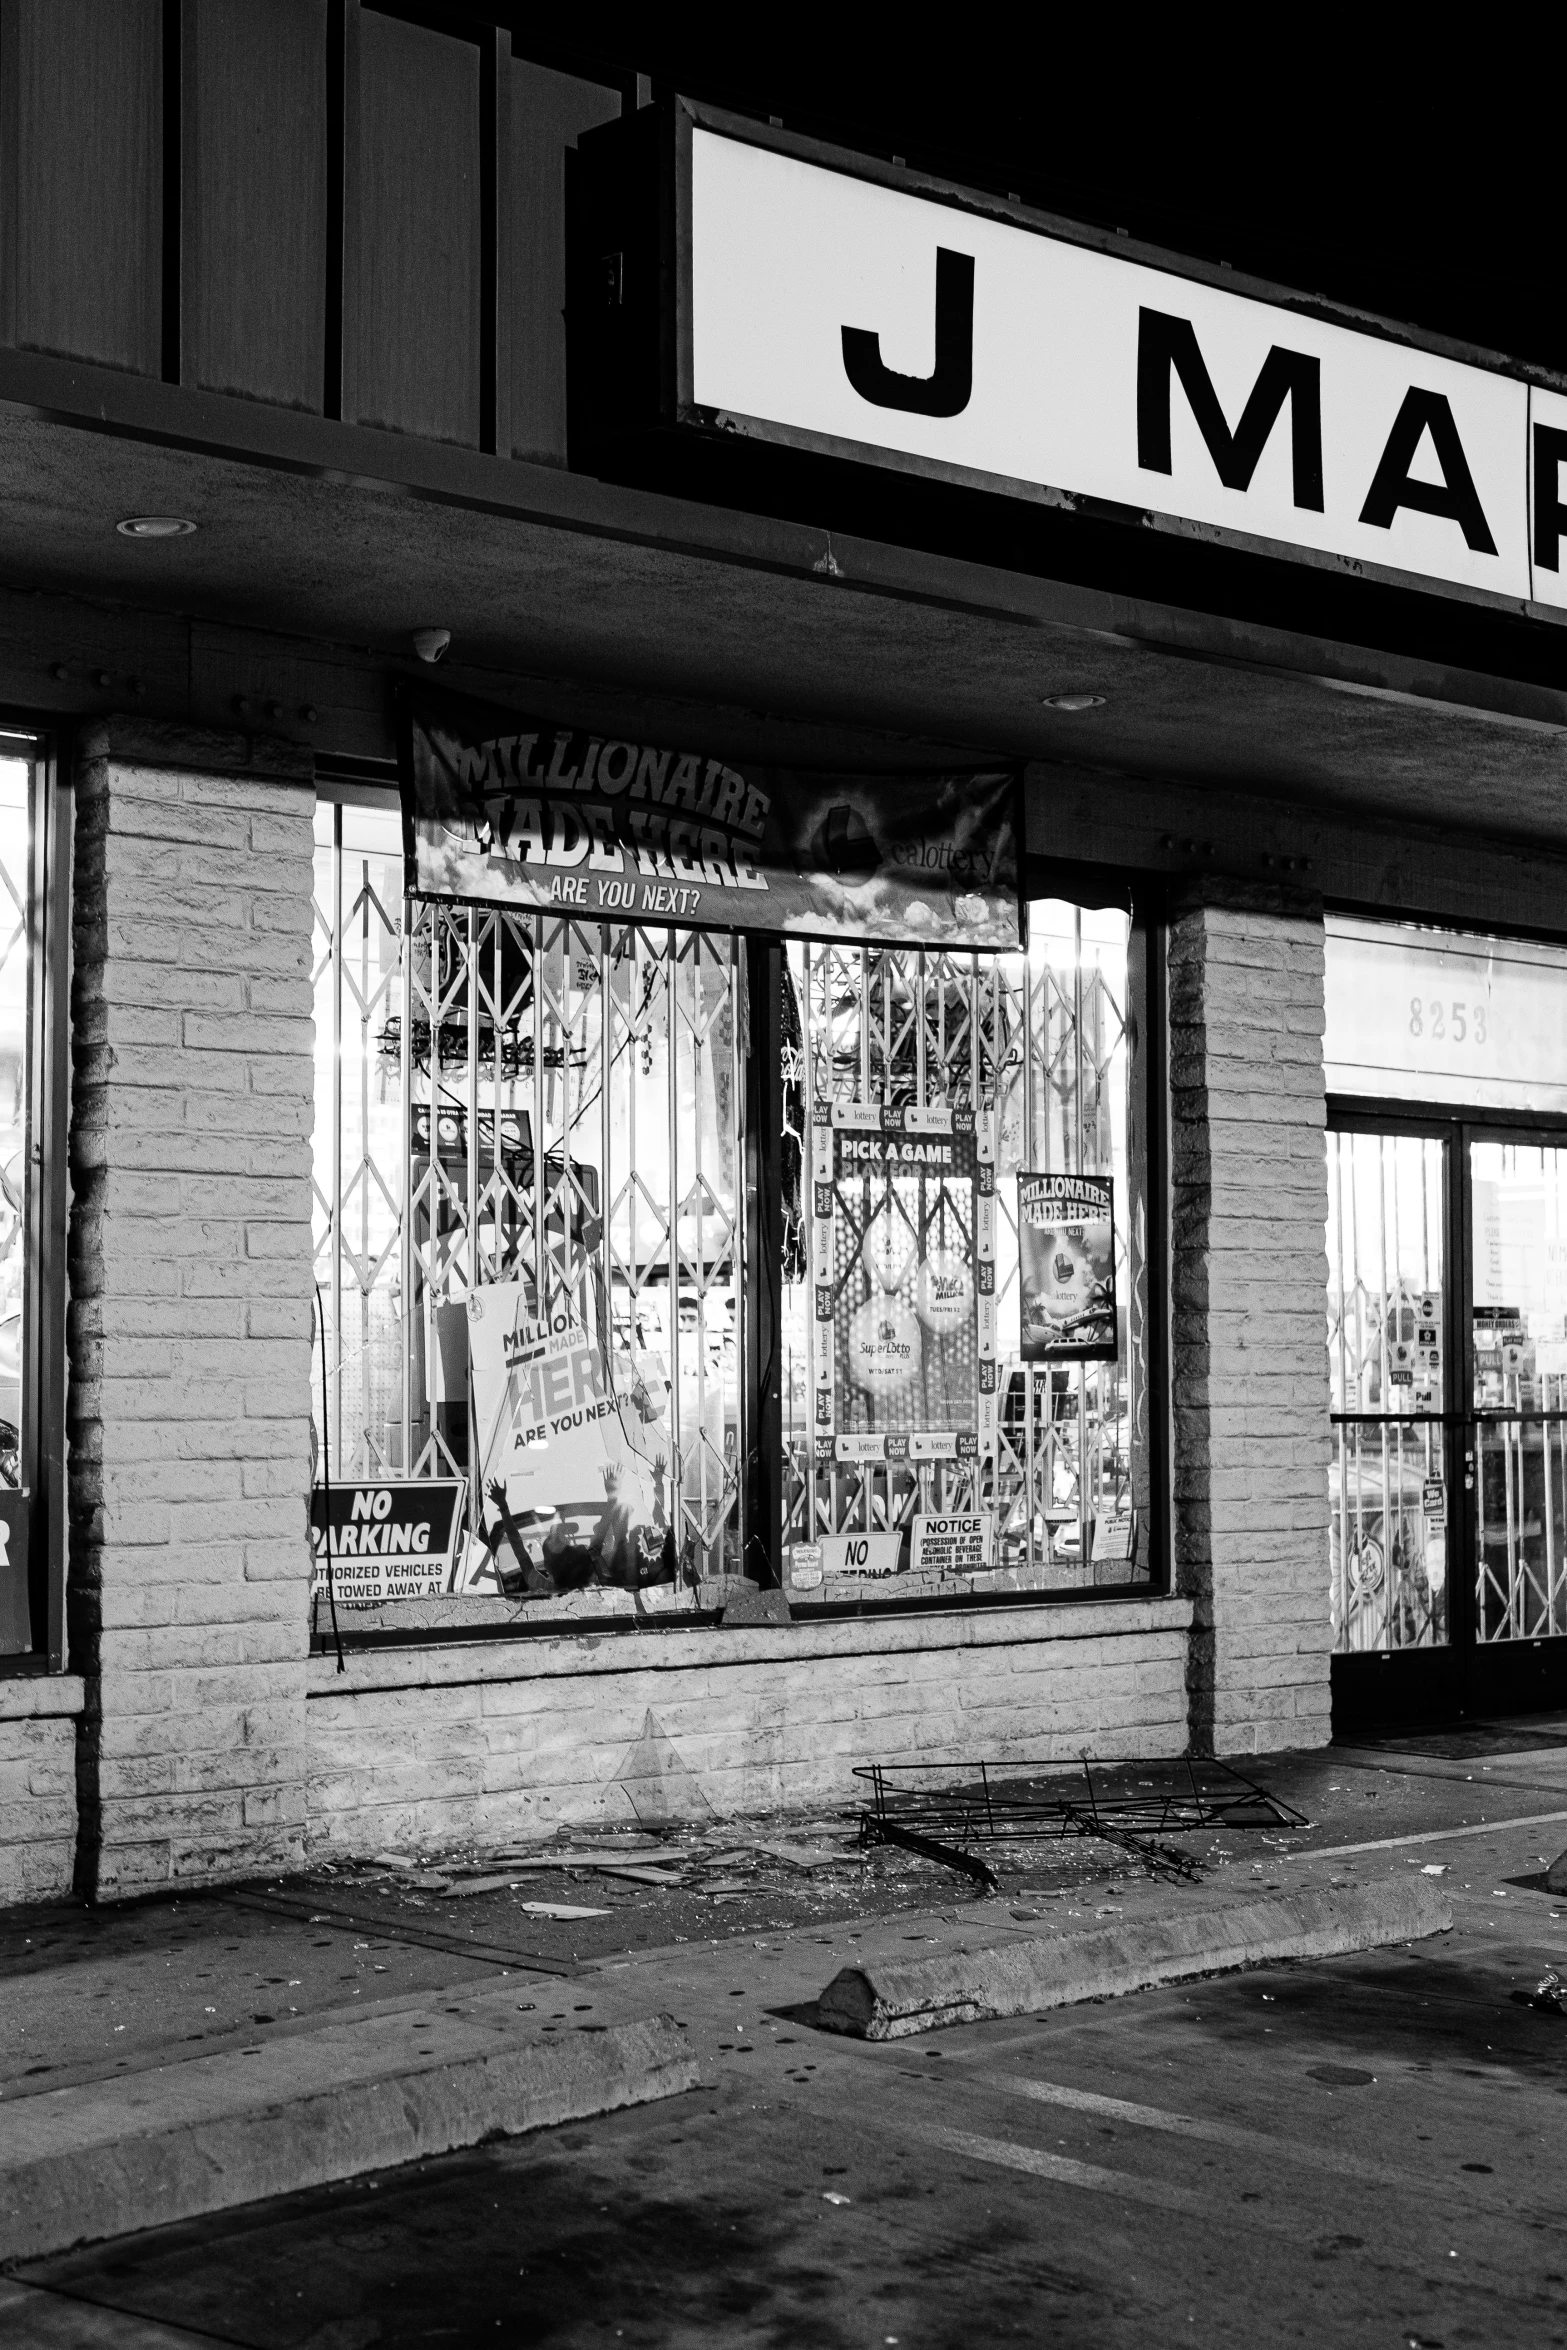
574, 1445
1066, 1268
904, 1274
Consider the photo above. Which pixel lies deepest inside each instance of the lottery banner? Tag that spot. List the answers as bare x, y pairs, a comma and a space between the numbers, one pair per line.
519, 811
1066, 1268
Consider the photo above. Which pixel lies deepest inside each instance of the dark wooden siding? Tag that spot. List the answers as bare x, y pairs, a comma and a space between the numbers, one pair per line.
412, 235
81, 110
548, 113
254, 198
312, 203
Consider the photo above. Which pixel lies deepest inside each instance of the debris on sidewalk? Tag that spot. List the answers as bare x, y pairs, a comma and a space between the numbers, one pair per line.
484, 1879
692, 1879
801, 1856
1547, 1996
981, 1803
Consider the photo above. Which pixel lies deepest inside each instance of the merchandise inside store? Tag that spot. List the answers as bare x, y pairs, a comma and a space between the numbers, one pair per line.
656, 1264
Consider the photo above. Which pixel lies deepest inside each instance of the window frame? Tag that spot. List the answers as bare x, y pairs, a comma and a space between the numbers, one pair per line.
763, 1468
43, 1369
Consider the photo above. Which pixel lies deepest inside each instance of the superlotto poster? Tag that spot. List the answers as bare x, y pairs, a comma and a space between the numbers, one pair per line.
1066, 1251
905, 1284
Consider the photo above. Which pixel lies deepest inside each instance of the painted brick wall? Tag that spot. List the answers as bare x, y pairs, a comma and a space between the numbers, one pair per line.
38, 1786
189, 1336
1249, 1202
514, 1739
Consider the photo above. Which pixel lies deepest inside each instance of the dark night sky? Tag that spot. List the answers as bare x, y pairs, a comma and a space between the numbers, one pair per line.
1422, 187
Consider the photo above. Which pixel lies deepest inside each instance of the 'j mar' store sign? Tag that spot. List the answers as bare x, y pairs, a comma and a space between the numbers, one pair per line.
826, 306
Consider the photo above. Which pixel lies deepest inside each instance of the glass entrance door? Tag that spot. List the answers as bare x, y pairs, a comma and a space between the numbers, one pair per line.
1447, 1342
1515, 1438
1389, 1310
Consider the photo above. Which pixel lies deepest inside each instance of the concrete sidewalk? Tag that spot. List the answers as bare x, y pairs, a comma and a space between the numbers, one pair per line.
413, 2034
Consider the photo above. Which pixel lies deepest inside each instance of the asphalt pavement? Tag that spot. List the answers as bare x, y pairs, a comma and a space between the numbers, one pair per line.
1361, 2150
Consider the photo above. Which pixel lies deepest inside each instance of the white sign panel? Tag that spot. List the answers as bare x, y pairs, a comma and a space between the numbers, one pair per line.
1419, 1014
860, 1554
953, 1545
876, 322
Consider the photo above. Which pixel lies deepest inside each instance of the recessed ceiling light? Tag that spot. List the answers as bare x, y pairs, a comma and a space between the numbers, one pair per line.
1073, 701
155, 526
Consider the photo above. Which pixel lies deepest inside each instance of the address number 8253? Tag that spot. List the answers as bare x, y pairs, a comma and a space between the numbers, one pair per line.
1447, 1023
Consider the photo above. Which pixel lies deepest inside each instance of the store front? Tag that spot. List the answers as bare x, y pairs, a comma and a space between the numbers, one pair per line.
1447, 1317
740, 1179
740, 1263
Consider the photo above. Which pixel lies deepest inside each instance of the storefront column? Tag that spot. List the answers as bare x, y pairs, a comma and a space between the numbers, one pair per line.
190, 1318
1249, 1205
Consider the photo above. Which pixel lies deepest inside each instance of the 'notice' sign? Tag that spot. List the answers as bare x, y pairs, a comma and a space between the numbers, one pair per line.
831, 311
958, 1545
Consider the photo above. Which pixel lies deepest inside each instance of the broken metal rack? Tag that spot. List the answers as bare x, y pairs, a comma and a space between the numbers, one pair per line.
986, 1803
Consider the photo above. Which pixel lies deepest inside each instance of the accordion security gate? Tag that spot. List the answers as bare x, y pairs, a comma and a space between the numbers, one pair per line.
1387, 1234
524, 1098
1399, 1539
1519, 1427
1038, 1045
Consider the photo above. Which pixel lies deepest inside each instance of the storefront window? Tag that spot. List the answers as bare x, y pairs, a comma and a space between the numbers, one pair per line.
1518, 1252
25, 1608
529, 1145
965, 1331
533, 1260
1387, 1323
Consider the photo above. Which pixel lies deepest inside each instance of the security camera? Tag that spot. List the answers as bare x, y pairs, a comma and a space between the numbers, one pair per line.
431, 643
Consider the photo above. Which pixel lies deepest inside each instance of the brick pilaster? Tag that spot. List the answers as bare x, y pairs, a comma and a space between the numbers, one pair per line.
1249, 1199
189, 1340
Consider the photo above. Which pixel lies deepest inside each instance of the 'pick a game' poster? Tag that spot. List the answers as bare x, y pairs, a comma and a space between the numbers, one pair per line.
1066, 1250
575, 1453
905, 1295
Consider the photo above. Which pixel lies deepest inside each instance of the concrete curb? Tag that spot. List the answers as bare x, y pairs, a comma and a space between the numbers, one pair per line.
78, 2165
888, 2002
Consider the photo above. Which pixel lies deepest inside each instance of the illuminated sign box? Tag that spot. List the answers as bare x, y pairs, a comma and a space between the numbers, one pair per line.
735, 282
